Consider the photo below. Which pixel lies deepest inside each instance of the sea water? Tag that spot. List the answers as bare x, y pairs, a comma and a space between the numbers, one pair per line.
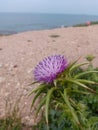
20, 22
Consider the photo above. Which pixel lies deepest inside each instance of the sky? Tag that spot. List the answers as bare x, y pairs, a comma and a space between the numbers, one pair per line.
50, 6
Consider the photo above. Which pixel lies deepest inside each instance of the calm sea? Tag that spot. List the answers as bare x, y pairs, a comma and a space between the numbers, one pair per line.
19, 22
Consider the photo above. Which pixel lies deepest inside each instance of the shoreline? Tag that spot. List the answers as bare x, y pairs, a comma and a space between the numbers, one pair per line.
7, 33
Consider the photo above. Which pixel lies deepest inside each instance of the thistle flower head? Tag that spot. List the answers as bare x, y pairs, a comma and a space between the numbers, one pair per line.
48, 69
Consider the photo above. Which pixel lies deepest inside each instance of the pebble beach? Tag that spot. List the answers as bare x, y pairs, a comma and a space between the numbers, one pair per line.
20, 53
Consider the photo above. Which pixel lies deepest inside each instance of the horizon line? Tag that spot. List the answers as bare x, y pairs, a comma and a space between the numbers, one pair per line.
48, 13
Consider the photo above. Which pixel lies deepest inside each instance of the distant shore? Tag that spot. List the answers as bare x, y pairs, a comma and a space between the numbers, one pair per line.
5, 33
88, 23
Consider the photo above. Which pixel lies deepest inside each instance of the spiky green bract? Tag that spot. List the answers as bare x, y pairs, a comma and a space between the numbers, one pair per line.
65, 94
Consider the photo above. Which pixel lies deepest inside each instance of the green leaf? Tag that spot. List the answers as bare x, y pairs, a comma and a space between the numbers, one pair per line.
72, 64
93, 122
38, 93
81, 92
84, 73
70, 107
41, 103
90, 58
48, 97
86, 81
42, 86
77, 66
33, 83
80, 84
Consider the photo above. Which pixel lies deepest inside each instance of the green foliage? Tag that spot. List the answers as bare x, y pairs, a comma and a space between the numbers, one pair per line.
81, 25
90, 57
85, 24
12, 120
94, 22
56, 122
71, 101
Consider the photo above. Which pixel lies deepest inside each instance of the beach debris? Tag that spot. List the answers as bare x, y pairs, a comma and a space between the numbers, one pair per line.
88, 23
29, 40
54, 36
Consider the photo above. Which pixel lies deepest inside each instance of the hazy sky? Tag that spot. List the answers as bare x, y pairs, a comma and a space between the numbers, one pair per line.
50, 6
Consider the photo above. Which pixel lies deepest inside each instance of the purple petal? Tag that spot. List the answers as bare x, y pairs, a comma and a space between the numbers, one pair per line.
48, 69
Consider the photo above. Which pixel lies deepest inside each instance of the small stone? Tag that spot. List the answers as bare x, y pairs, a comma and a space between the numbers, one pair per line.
29, 40
2, 79
1, 65
31, 122
29, 71
6, 94
1, 49
15, 66
24, 92
8, 84
25, 103
27, 118
22, 58
28, 121
6, 65
18, 84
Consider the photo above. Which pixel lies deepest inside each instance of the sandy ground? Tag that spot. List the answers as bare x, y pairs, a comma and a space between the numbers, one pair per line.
20, 53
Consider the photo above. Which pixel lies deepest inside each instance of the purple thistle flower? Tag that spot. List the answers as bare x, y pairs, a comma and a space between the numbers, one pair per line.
48, 69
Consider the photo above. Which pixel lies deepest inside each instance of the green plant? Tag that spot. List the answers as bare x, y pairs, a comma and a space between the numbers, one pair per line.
85, 24
12, 120
67, 93
90, 58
